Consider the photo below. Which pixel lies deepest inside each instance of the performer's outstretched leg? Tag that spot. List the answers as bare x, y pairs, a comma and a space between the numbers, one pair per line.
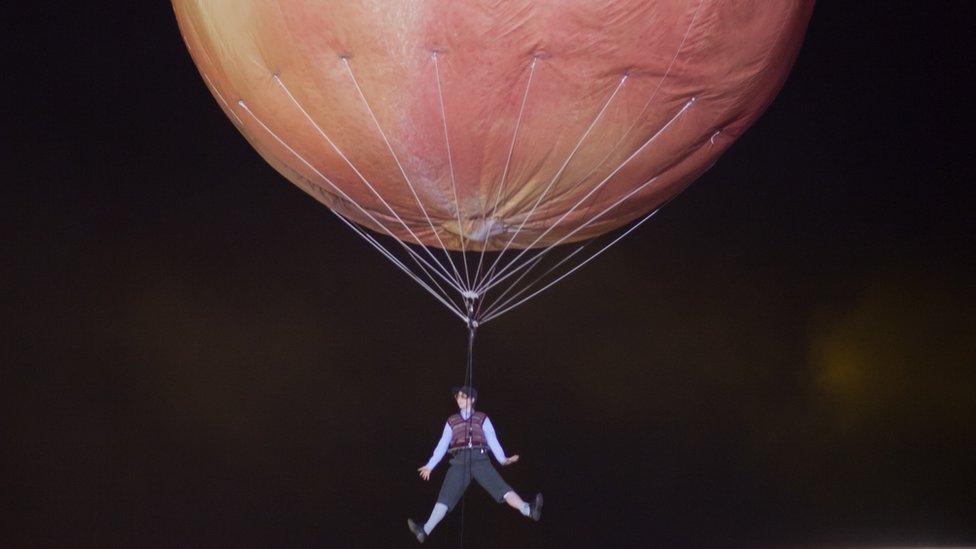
517, 503
436, 514
533, 510
490, 480
455, 482
421, 532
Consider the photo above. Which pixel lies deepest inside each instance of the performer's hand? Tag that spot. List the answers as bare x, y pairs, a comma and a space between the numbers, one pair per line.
510, 460
425, 472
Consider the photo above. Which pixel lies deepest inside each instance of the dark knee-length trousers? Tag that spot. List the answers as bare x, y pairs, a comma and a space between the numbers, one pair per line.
468, 464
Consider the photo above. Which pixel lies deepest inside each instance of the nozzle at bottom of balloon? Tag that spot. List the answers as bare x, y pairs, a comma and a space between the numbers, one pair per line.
470, 298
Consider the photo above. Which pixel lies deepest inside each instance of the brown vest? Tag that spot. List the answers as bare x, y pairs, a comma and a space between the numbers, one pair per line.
460, 431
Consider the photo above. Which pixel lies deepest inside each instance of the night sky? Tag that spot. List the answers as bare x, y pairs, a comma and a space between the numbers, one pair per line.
197, 354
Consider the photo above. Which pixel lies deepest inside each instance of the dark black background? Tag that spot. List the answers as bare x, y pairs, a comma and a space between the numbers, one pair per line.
198, 354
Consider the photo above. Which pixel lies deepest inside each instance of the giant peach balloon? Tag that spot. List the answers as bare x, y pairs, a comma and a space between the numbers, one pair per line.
477, 123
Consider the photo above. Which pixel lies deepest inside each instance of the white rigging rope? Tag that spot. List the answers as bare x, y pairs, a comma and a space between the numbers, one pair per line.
535, 260
450, 160
559, 172
421, 262
504, 178
494, 312
443, 298
472, 289
406, 178
360, 175
484, 312
498, 277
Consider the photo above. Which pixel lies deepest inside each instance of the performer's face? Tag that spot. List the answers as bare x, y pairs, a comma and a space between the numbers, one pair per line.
463, 401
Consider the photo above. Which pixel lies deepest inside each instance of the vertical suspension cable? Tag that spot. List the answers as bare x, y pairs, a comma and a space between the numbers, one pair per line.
469, 383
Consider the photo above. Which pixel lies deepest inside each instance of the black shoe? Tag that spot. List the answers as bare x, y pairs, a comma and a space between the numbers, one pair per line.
417, 530
535, 510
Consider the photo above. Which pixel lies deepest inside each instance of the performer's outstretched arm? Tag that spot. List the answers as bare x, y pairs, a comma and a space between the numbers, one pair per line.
496, 447
438, 454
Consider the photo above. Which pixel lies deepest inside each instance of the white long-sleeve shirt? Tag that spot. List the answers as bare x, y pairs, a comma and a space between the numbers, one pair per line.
445, 441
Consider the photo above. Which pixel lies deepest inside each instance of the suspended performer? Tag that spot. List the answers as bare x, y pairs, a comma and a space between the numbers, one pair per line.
468, 435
